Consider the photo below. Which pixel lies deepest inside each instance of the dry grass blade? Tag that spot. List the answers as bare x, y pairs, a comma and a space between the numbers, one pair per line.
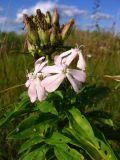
116, 78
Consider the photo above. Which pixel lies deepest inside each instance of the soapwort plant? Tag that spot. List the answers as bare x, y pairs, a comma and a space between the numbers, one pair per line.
54, 117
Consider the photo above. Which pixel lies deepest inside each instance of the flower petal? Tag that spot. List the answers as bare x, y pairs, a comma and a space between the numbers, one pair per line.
39, 60
75, 83
78, 74
51, 83
41, 93
32, 92
71, 57
38, 64
52, 69
64, 54
42, 65
81, 62
27, 83
57, 60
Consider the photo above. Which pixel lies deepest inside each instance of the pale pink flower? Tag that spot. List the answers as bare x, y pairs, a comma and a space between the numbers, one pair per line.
61, 70
70, 55
35, 89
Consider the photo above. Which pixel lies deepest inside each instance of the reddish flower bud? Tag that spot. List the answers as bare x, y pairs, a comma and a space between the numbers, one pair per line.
67, 29
55, 18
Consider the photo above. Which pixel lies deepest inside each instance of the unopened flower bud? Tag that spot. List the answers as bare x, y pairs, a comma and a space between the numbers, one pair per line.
31, 28
34, 37
41, 21
53, 36
48, 18
39, 14
50, 30
67, 29
55, 18
40, 33
34, 19
26, 21
44, 36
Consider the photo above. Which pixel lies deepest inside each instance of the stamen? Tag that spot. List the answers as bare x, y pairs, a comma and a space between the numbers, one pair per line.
79, 46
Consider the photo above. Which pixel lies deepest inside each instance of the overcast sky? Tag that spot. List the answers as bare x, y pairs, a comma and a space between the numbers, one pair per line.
11, 12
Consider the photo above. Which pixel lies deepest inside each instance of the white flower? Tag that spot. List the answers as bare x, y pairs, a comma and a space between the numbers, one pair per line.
35, 89
62, 70
70, 55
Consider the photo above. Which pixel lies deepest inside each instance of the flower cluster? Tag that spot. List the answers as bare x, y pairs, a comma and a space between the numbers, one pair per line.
45, 33
45, 78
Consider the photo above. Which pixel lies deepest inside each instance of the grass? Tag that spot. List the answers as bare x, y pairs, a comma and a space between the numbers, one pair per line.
13, 72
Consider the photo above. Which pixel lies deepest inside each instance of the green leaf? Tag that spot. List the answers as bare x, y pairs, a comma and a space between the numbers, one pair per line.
37, 154
12, 115
59, 93
91, 95
81, 124
47, 107
28, 122
24, 95
102, 117
37, 127
81, 142
64, 152
57, 138
82, 131
108, 122
23, 107
29, 143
